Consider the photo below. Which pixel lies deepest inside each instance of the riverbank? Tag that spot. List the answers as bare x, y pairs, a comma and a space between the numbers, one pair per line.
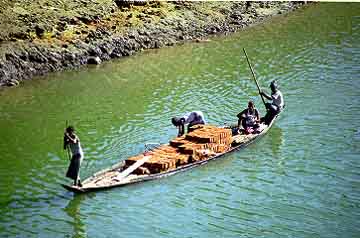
38, 37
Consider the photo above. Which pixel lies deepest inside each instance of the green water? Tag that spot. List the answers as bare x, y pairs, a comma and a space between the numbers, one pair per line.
300, 180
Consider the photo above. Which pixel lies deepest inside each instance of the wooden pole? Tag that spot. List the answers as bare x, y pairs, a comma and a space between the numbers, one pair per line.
67, 145
132, 168
252, 71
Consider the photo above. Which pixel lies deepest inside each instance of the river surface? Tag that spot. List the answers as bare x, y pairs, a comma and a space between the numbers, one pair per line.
302, 179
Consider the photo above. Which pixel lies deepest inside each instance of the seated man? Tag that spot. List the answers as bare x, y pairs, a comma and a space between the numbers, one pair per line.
249, 118
192, 118
275, 106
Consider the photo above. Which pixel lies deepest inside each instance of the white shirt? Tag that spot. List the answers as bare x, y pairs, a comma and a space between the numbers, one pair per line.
278, 99
195, 116
251, 117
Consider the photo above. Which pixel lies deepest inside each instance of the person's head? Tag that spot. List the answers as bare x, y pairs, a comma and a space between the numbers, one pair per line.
70, 129
177, 121
273, 86
251, 105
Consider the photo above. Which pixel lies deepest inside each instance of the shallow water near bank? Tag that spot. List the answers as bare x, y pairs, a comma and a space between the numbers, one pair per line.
300, 180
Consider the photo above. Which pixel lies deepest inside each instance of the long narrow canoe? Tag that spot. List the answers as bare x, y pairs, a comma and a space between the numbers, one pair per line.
120, 175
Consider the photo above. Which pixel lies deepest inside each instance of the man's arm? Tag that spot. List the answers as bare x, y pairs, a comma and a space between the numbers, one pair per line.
241, 114
265, 95
257, 114
69, 139
181, 130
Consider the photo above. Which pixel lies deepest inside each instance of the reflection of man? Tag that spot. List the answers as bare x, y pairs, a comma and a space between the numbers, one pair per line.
276, 141
276, 105
192, 119
73, 211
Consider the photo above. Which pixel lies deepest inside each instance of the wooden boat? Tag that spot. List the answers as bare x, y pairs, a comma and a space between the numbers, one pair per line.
121, 175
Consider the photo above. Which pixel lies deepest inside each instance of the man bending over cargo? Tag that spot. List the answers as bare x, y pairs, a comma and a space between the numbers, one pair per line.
191, 118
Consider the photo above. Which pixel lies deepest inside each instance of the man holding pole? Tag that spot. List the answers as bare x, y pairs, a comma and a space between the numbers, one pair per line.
275, 106
71, 140
277, 103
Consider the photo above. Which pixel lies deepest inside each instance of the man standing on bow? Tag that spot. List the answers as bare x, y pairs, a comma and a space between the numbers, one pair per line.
72, 141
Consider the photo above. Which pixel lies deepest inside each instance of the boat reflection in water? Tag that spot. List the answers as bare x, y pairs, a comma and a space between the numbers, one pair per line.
276, 141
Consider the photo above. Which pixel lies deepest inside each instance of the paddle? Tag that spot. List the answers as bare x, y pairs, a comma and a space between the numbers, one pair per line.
252, 71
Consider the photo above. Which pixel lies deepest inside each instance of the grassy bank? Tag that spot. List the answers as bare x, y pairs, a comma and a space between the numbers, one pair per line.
39, 36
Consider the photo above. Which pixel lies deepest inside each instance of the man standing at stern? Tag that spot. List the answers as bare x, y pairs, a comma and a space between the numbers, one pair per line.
275, 106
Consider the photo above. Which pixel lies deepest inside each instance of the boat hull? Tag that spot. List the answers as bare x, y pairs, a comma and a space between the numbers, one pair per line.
87, 187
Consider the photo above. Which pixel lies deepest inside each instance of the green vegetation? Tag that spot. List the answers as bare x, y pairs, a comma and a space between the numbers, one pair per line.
41, 36
65, 21
59, 21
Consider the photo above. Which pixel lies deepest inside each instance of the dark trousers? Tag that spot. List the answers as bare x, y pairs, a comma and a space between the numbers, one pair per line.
242, 121
73, 171
272, 111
